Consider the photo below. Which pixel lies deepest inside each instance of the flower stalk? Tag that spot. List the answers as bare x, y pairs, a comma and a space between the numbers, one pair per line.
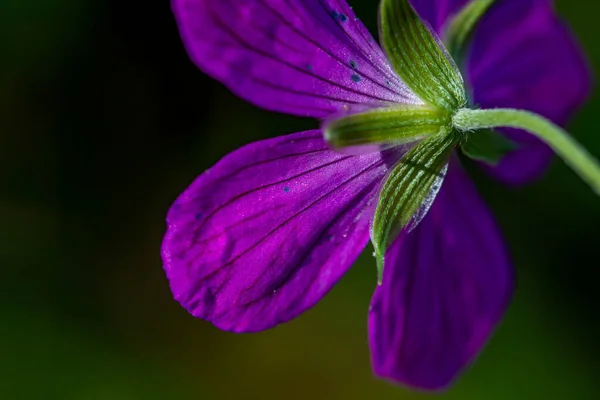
575, 155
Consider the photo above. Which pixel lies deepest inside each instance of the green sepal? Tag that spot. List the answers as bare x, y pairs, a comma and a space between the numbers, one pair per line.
462, 25
391, 126
487, 146
419, 57
408, 192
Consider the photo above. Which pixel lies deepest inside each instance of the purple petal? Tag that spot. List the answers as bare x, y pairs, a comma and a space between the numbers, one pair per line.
524, 57
265, 233
304, 57
445, 288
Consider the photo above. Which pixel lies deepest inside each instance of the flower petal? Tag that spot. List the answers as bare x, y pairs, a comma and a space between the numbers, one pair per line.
304, 57
524, 57
445, 288
265, 233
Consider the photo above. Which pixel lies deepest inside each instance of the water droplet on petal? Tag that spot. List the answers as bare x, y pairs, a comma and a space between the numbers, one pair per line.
355, 78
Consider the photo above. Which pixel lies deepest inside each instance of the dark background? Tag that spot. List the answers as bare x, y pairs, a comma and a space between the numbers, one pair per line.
104, 120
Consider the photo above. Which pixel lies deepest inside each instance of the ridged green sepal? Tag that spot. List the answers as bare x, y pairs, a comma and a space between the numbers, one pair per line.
462, 25
387, 126
487, 146
419, 57
409, 191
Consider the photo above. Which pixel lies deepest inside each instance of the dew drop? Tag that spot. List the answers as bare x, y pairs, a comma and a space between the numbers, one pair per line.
343, 18
353, 64
286, 189
355, 78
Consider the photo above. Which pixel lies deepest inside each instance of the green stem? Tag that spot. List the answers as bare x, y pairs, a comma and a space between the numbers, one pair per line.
582, 162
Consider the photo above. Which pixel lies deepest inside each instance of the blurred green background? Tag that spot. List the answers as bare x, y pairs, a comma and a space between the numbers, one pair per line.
104, 120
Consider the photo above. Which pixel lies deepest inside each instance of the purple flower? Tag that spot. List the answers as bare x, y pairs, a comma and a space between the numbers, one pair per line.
264, 234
